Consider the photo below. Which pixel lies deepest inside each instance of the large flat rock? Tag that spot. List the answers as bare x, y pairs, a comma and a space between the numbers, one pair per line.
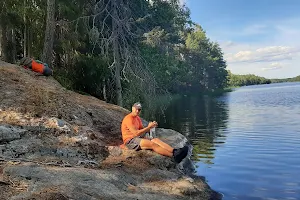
89, 184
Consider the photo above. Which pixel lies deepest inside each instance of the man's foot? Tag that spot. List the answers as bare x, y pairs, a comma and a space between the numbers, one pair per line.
180, 154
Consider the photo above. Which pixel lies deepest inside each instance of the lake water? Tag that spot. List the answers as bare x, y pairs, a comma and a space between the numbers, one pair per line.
246, 142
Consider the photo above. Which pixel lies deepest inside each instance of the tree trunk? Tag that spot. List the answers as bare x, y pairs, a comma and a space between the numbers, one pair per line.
29, 41
8, 43
116, 54
25, 41
4, 42
13, 46
25, 31
104, 90
49, 33
0, 41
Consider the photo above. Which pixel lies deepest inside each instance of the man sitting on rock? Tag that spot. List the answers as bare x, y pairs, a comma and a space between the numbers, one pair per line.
132, 131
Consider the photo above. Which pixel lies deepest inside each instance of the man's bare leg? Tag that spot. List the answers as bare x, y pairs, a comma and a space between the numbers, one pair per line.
148, 144
163, 145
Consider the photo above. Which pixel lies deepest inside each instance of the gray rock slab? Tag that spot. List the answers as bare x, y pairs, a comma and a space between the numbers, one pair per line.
80, 183
9, 133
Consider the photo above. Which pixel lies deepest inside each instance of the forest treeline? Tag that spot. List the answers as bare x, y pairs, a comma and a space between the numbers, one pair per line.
235, 80
294, 79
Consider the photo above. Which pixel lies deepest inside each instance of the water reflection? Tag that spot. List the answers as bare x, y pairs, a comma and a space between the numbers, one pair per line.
260, 159
202, 119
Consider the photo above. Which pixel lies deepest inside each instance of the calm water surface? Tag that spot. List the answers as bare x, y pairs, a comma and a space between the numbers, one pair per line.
246, 142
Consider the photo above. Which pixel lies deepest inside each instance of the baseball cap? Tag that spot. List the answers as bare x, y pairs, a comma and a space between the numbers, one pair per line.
137, 105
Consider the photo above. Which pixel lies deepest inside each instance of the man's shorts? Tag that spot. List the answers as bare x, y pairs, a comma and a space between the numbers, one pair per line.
135, 142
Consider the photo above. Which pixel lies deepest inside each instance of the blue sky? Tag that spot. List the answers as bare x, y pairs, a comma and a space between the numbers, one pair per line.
260, 37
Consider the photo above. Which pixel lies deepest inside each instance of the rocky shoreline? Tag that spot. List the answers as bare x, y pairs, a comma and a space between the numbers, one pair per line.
57, 144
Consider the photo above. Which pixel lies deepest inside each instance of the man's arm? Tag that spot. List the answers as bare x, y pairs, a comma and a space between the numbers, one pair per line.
142, 131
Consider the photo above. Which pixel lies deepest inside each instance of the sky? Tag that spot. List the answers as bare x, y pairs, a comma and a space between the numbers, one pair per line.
260, 37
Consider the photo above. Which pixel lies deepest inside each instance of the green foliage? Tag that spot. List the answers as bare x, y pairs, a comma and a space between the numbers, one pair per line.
176, 51
294, 79
18, 14
89, 75
251, 79
243, 80
168, 71
207, 67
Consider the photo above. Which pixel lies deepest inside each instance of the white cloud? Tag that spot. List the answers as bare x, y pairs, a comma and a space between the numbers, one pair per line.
273, 66
276, 64
263, 54
265, 48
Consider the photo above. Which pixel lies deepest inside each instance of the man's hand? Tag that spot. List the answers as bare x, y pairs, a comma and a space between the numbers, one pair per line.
152, 124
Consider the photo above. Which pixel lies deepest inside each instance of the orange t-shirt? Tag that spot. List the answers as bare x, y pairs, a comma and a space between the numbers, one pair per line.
37, 67
130, 124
